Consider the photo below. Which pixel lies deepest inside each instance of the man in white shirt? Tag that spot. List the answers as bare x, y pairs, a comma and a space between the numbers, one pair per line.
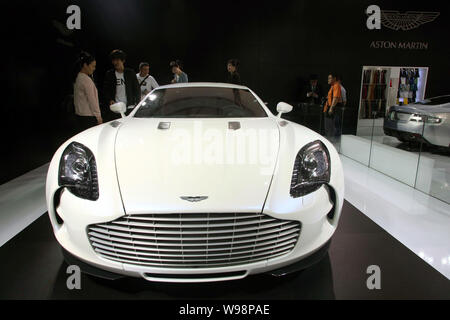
121, 94
146, 81
120, 83
343, 91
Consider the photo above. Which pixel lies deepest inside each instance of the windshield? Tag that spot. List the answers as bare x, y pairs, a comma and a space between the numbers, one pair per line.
200, 102
435, 101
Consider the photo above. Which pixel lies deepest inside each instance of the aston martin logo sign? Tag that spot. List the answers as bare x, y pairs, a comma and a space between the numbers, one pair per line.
406, 21
194, 199
395, 20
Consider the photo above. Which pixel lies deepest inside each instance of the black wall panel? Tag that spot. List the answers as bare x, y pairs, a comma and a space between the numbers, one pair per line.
279, 44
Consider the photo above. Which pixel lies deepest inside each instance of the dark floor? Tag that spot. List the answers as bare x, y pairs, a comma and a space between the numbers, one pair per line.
32, 268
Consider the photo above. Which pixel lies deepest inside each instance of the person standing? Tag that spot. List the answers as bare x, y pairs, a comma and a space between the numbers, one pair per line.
121, 84
85, 94
233, 75
146, 82
334, 101
343, 91
179, 75
314, 92
339, 118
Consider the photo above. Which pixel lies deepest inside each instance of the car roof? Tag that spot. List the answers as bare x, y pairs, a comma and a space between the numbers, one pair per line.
203, 84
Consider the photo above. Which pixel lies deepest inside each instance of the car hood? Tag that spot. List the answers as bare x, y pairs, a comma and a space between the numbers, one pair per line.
424, 109
195, 158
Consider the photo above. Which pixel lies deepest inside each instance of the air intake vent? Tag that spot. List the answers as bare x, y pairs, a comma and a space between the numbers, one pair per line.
191, 240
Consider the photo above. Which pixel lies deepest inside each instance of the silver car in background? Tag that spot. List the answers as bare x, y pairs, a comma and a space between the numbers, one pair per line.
425, 121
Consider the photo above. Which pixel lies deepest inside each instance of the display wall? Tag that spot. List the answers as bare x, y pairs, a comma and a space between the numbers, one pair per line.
278, 43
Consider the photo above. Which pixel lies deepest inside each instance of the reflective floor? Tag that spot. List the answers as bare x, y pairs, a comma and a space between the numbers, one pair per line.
32, 268
432, 162
419, 221
430, 166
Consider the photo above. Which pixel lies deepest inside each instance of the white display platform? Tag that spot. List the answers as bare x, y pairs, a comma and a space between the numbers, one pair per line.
356, 148
369, 127
22, 201
399, 164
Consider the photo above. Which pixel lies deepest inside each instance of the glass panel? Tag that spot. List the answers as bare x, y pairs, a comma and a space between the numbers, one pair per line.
311, 116
332, 126
357, 147
355, 143
433, 176
395, 149
339, 125
397, 136
306, 114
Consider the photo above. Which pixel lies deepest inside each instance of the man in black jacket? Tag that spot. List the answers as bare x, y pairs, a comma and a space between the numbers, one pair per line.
314, 91
121, 84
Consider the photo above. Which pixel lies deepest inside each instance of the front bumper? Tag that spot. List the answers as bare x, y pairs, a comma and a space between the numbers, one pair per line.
316, 212
292, 268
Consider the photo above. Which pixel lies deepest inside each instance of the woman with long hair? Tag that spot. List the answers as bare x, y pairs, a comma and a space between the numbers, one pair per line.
85, 94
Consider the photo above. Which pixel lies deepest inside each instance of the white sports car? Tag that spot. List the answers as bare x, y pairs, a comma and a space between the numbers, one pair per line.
424, 121
200, 182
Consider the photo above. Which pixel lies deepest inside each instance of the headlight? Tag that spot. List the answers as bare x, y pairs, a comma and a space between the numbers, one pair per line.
429, 119
416, 117
311, 169
78, 171
434, 120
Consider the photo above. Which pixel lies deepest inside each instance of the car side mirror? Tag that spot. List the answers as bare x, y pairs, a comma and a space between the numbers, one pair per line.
283, 107
119, 107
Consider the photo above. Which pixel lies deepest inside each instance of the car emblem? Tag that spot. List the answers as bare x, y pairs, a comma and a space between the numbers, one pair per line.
194, 199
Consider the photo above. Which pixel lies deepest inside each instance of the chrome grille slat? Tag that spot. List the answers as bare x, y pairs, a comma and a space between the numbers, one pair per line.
187, 226
197, 253
118, 240
168, 238
225, 217
183, 259
184, 232
190, 240
192, 265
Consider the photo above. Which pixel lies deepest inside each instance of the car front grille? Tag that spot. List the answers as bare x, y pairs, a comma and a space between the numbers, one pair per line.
193, 240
